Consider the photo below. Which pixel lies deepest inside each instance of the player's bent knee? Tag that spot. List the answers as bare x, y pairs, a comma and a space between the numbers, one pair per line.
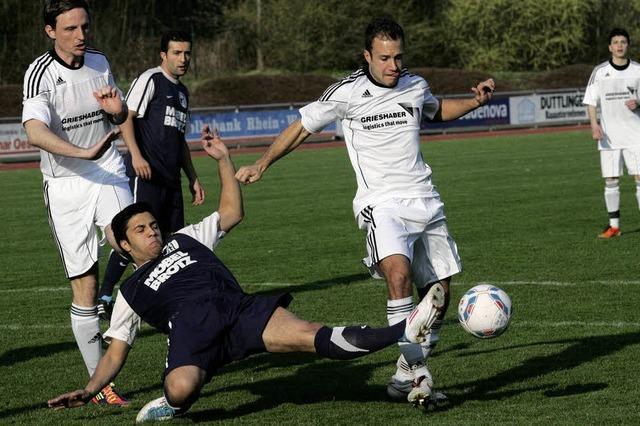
182, 386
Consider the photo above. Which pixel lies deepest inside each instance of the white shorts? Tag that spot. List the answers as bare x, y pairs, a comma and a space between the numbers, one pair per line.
611, 162
78, 206
415, 228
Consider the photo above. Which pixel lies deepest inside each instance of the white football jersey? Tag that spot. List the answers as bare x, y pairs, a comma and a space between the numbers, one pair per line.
382, 132
609, 87
62, 98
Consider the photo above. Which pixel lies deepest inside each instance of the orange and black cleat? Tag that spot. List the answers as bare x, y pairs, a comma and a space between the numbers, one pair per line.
609, 232
109, 396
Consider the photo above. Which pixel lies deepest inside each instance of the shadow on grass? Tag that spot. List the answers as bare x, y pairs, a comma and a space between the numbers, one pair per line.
349, 381
105, 411
27, 353
581, 351
315, 285
320, 380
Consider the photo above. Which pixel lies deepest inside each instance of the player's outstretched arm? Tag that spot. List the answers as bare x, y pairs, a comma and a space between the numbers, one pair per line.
286, 142
108, 368
42, 137
450, 109
230, 207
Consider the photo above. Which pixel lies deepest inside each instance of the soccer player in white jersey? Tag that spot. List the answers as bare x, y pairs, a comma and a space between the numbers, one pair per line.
381, 107
613, 87
71, 105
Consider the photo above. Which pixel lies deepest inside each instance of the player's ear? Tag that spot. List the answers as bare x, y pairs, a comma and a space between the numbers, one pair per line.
367, 56
50, 31
125, 246
163, 56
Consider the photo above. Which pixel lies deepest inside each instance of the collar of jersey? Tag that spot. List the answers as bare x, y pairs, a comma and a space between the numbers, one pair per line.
620, 67
63, 63
373, 80
167, 76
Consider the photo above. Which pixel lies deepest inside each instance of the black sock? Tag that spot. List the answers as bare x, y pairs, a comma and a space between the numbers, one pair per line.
116, 266
355, 341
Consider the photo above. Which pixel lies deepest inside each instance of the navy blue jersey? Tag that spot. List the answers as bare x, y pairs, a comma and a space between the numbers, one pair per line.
162, 107
186, 270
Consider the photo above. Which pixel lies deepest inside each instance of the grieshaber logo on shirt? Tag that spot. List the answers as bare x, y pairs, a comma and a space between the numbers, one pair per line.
165, 269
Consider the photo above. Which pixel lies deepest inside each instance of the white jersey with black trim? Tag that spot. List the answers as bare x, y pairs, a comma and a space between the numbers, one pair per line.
609, 87
382, 132
62, 98
125, 323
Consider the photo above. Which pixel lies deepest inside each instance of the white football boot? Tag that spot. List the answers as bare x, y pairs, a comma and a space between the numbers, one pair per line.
423, 316
155, 411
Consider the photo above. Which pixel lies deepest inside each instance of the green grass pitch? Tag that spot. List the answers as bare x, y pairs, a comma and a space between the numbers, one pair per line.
524, 210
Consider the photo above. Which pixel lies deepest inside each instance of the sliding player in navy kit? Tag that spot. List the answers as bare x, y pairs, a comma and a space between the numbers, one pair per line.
182, 289
155, 135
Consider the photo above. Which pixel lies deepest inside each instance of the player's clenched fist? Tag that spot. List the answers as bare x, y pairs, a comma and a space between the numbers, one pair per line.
249, 174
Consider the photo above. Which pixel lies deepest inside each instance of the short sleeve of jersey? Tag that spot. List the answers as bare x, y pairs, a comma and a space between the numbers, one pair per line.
140, 93
591, 95
207, 231
330, 107
35, 100
430, 104
124, 324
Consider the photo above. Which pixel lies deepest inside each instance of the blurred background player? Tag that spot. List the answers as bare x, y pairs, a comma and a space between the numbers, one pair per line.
381, 107
71, 105
181, 288
613, 86
155, 135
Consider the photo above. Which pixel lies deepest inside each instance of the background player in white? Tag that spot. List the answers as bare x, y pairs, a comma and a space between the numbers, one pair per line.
381, 107
71, 105
155, 134
181, 288
613, 87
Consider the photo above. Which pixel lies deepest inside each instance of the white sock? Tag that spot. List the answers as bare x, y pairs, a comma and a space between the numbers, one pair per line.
397, 311
86, 329
612, 201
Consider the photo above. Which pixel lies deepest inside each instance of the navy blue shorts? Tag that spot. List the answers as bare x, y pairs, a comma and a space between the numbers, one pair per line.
217, 329
166, 202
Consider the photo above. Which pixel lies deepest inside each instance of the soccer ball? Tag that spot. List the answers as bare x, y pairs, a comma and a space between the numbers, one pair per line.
485, 311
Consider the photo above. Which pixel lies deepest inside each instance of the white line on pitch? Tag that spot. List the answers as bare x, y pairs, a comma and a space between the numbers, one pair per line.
35, 289
367, 282
597, 324
534, 324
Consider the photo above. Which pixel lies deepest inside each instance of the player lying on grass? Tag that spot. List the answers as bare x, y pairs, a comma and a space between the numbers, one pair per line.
182, 289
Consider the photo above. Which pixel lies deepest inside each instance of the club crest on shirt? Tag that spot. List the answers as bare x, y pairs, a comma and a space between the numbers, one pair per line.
183, 100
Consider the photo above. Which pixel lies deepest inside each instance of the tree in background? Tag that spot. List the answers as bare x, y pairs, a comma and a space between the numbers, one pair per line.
303, 36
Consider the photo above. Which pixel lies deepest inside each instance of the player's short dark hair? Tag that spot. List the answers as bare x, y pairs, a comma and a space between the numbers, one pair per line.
384, 27
619, 32
120, 221
173, 35
53, 8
